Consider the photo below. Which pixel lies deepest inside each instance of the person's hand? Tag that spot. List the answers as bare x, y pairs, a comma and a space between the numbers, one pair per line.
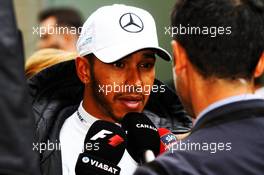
182, 136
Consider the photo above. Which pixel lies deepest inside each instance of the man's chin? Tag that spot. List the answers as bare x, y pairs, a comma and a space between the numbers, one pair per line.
121, 116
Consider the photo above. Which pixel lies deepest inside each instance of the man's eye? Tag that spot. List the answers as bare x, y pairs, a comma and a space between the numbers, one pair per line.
146, 65
119, 64
43, 37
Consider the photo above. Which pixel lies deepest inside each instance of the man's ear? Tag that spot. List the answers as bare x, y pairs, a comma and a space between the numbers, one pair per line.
179, 57
83, 69
260, 67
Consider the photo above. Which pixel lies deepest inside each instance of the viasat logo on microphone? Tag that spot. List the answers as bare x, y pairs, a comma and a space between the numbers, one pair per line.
100, 165
146, 126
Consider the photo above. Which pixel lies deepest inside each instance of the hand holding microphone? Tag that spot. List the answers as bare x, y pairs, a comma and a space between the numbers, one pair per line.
111, 141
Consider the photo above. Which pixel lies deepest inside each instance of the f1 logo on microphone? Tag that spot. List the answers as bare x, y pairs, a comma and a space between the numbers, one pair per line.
101, 134
113, 141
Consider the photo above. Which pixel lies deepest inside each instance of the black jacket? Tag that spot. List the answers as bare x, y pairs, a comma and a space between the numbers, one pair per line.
56, 94
240, 124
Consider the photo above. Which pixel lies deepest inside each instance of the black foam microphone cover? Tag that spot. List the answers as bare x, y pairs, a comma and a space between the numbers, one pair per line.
111, 143
111, 139
142, 135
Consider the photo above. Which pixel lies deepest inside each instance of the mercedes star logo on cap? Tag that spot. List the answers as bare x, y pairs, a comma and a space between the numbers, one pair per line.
130, 22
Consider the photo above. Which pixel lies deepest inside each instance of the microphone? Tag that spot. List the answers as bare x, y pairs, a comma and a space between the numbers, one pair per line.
143, 141
167, 139
111, 141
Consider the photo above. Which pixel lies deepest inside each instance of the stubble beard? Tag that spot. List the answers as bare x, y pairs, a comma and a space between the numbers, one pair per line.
100, 99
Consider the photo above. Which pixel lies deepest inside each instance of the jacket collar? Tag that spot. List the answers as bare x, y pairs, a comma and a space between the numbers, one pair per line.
229, 112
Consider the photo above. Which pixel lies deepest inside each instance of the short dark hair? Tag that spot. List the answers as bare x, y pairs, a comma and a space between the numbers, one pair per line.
64, 16
230, 56
91, 59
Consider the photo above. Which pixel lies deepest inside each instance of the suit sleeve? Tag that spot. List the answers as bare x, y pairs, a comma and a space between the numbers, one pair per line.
152, 168
144, 171
170, 164
16, 122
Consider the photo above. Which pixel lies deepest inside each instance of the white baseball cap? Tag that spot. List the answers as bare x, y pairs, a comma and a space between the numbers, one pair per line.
113, 32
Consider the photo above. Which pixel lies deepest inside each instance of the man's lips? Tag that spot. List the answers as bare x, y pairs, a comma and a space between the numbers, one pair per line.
131, 101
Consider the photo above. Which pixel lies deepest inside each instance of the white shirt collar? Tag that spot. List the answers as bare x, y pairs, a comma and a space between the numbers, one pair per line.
225, 101
84, 118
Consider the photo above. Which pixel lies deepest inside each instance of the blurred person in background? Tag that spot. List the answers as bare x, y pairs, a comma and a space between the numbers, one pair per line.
60, 28
45, 58
215, 82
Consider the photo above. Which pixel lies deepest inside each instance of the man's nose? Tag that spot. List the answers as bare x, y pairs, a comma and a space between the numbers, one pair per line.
134, 78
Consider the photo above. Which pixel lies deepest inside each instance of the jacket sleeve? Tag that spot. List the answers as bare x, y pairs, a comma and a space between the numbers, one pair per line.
16, 122
144, 171
152, 168
171, 164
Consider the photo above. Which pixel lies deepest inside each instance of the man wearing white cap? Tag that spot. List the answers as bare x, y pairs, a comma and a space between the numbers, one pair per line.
117, 47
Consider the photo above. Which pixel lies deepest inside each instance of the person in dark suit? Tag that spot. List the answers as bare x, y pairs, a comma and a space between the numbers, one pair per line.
16, 119
215, 67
